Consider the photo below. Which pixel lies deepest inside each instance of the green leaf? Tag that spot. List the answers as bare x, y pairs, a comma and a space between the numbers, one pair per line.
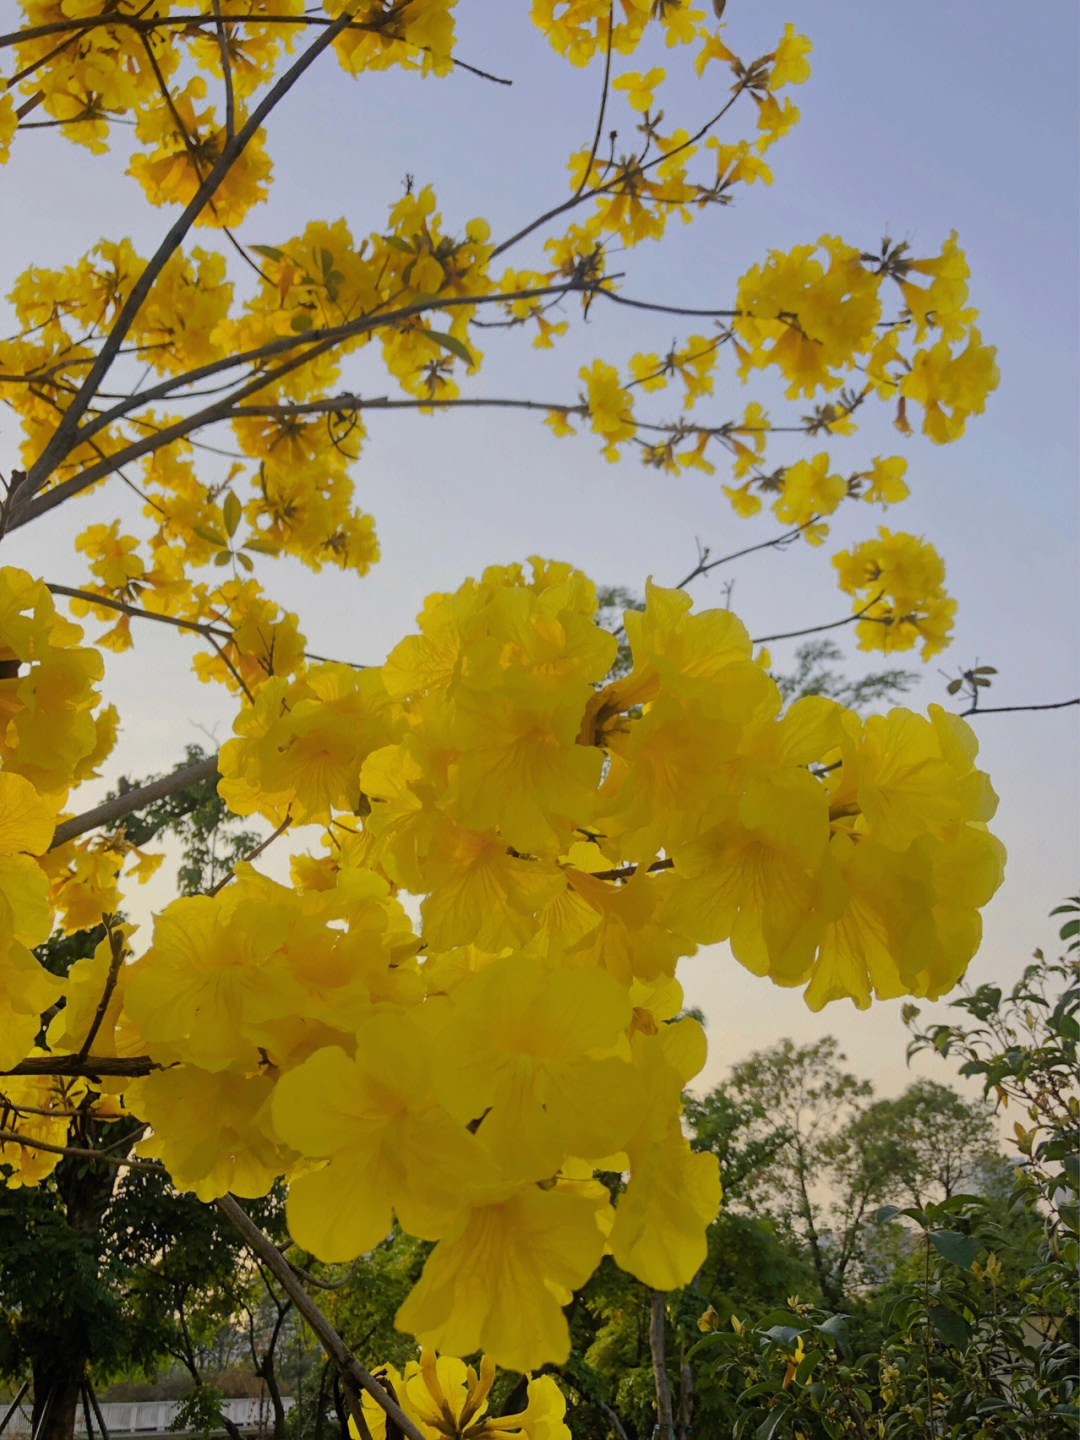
231, 512
806, 1365
271, 252
209, 533
763, 1387
767, 1428
949, 1325
785, 1335
954, 686
902, 1312
261, 546
245, 561
300, 322
222, 557
710, 1342
451, 343
397, 243
956, 1248
741, 1424
835, 1327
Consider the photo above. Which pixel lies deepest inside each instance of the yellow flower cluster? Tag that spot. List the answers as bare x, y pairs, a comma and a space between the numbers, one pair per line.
26, 989
568, 840
110, 73
899, 585
447, 1400
51, 730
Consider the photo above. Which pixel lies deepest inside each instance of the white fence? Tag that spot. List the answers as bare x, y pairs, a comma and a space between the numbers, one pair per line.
153, 1417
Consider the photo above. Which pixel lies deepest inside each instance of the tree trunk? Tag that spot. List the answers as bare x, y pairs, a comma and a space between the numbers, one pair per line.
686, 1399
57, 1384
61, 1343
268, 1375
665, 1423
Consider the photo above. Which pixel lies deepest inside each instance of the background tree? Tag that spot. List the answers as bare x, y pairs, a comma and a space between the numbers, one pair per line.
976, 1330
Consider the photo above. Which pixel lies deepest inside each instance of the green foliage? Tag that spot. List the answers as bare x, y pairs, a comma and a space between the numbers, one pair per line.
813, 675
975, 1334
200, 1412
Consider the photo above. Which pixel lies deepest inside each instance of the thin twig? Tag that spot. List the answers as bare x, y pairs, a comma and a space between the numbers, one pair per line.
92, 598
604, 89
1000, 709
251, 855
814, 629
116, 948
12, 1137
704, 564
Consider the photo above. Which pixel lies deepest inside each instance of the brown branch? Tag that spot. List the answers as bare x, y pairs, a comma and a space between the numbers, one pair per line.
814, 629
134, 799
624, 872
90, 1067
665, 1421
29, 506
92, 598
611, 186
604, 91
1001, 709
12, 1137
704, 564
354, 1377
146, 23
667, 309
251, 855
116, 947
317, 338
209, 632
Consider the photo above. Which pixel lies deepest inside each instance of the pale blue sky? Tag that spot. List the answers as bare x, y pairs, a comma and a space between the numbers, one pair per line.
916, 120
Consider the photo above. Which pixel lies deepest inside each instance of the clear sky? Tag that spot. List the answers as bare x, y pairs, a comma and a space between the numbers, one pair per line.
917, 120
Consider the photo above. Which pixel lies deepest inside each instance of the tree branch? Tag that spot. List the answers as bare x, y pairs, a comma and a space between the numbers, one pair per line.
91, 1067
134, 799
814, 629
1001, 709
353, 1375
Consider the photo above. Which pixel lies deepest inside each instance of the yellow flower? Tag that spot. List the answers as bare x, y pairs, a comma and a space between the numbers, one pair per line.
639, 88
391, 1147
521, 1049
790, 65
610, 408
498, 1282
